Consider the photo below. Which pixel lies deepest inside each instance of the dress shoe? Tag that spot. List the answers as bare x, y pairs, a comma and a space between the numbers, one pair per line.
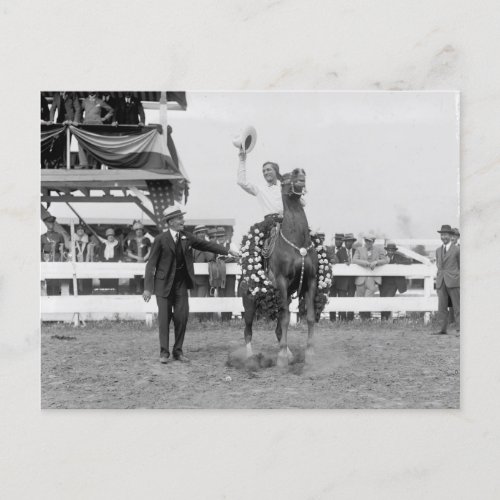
164, 359
439, 333
182, 358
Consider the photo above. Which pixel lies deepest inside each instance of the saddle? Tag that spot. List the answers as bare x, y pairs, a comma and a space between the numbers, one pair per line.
270, 241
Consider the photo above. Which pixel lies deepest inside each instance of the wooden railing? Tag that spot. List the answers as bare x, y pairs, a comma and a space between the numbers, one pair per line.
132, 305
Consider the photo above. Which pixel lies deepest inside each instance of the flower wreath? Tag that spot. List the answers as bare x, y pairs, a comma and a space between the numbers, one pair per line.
324, 277
259, 286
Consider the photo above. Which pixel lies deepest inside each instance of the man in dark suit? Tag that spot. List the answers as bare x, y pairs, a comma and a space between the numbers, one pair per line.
169, 274
392, 284
348, 282
447, 279
67, 106
129, 111
337, 289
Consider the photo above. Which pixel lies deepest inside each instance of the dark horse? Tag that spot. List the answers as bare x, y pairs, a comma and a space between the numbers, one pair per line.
292, 267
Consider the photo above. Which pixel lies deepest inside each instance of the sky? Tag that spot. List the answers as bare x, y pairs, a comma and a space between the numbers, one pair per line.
386, 162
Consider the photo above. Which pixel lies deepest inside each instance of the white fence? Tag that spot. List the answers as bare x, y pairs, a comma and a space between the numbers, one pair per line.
133, 307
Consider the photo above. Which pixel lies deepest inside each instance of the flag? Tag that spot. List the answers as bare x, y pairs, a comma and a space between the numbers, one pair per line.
161, 196
145, 149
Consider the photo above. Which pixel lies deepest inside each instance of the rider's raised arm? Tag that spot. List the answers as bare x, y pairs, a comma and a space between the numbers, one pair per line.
242, 177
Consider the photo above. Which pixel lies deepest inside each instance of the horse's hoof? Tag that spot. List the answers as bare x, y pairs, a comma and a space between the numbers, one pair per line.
289, 355
249, 350
309, 355
282, 361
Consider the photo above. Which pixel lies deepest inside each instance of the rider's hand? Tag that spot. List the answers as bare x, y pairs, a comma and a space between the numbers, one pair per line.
234, 253
146, 295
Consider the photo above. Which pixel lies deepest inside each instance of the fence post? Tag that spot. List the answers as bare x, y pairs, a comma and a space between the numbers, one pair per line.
428, 286
68, 148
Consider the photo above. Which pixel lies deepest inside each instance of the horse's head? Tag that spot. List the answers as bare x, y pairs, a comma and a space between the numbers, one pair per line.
294, 183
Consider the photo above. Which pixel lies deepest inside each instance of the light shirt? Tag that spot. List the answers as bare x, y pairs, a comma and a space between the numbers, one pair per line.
174, 234
447, 247
269, 197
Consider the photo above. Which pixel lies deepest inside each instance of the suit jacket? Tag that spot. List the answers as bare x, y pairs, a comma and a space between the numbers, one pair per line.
399, 281
341, 282
161, 266
131, 113
378, 255
448, 267
68, 109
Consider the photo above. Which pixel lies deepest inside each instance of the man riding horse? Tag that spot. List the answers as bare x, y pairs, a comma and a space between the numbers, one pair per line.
268, 197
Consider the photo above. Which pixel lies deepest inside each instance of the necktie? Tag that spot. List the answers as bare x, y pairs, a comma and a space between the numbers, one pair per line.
179, 257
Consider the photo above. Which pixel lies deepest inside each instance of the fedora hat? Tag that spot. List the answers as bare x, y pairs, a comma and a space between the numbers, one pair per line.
456, 231
339, 236
212, 232
246, 139
171, 212
49, 218
349, 237
110, 232
446, 228
200, 229
391, 246
220, 231
369, 237
137, 225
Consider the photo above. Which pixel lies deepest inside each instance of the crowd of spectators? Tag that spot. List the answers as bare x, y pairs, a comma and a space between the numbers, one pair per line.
133, 244
95, 109
346, 249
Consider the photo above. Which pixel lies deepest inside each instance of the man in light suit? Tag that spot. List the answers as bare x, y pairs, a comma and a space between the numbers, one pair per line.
447, 279
169, 274
370, 257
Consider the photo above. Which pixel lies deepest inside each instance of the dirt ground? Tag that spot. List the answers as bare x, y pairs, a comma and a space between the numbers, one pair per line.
358, 365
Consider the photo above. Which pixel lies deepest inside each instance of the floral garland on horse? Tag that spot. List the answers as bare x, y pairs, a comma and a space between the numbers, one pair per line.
257, 283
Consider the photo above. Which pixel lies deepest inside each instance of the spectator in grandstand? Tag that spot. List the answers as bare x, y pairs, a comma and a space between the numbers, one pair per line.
370, 257
110, 251
92, 108
339, 257
447, 279
52, 242
52, 249
67, 106
110, 101
44, 110
348, 281
81, 247
129, 111
137, 249
392, 284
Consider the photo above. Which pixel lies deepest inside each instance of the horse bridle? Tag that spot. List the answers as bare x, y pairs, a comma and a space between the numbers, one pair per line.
293, 190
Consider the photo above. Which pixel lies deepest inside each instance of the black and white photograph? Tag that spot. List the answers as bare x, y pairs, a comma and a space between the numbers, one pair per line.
245, 250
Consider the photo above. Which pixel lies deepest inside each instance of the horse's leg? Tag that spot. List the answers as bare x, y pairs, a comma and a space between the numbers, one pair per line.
248, 315
311, 318
279, 334
284, 322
